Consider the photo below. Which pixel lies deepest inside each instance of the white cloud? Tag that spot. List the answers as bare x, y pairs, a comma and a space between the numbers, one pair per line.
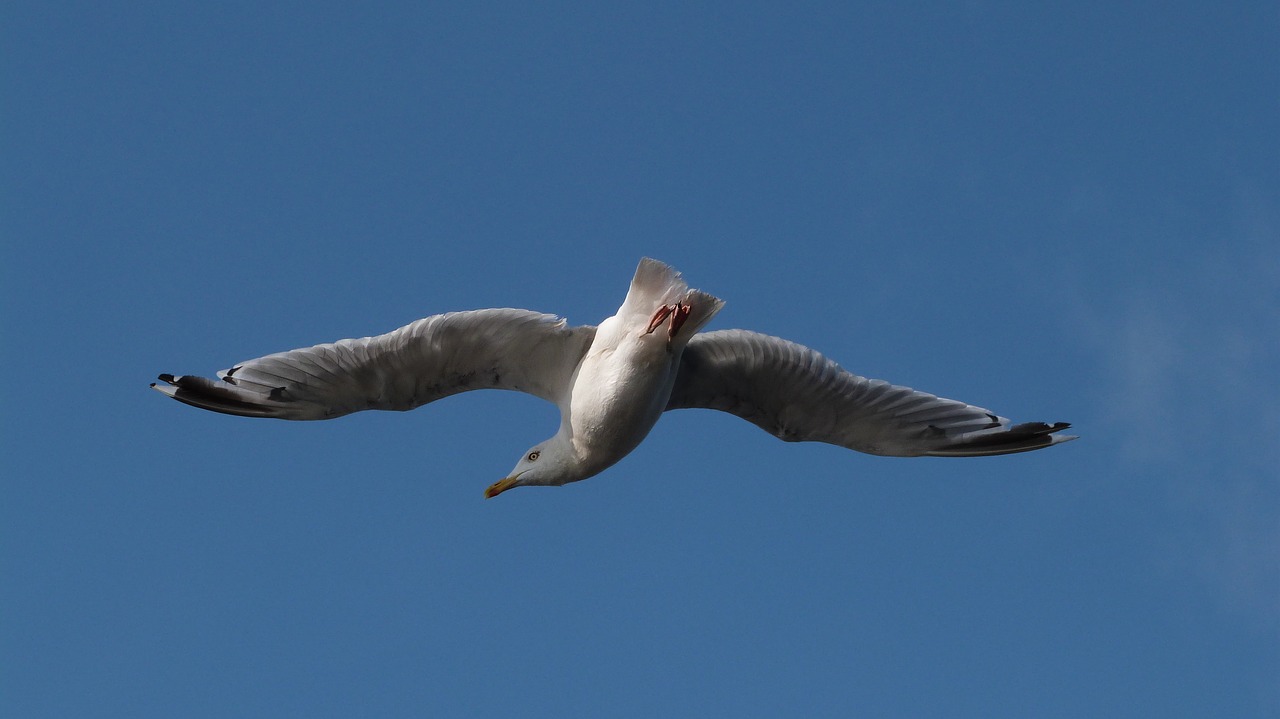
1189, 384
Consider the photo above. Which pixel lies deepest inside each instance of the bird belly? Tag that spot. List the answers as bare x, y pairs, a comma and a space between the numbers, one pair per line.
619, 394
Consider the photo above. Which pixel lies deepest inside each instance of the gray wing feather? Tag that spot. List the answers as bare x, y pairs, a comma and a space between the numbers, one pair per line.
419, 363
796, 394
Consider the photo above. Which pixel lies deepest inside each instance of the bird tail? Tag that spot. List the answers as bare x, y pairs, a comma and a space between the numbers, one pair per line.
1018, 438
656, 284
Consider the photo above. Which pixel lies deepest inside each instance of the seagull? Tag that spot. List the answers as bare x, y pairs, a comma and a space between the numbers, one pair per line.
611, 383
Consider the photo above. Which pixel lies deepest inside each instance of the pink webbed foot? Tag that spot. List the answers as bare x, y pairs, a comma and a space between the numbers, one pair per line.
678, 316
659, 317
678, 313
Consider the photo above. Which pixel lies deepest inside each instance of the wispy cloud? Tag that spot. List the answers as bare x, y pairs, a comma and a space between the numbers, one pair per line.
1190, 386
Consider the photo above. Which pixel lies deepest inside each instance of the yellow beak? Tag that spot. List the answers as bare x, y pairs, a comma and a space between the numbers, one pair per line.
499, 487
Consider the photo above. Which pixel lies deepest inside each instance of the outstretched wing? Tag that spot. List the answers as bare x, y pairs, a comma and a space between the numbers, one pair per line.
419, 363
798, 395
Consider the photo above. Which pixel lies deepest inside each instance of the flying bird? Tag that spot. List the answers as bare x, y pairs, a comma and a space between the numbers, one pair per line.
611, 383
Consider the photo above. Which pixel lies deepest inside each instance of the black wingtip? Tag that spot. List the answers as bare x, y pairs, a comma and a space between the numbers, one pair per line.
1018, 438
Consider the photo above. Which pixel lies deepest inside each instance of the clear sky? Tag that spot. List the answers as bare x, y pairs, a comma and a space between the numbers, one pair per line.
1067, 213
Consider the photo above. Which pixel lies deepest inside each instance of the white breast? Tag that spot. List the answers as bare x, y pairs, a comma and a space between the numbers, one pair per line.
621, 389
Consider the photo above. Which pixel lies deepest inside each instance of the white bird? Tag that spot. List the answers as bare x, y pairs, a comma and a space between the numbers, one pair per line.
611, 383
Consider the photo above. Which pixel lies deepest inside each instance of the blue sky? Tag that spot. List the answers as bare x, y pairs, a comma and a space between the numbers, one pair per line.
1069, 212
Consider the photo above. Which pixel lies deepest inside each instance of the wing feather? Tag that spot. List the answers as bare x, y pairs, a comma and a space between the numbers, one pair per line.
797, 394
419, 363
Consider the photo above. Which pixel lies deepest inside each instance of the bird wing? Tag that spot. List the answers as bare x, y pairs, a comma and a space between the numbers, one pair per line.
797, 395
419, 363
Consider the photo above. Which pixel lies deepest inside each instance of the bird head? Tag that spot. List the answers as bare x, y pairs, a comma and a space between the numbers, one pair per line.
550, 463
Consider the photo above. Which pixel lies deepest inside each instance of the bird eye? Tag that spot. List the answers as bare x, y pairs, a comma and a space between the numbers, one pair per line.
534, 455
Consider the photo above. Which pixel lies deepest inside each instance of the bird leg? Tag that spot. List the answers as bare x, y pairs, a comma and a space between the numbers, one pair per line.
659, 317
678, 313
678, 316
